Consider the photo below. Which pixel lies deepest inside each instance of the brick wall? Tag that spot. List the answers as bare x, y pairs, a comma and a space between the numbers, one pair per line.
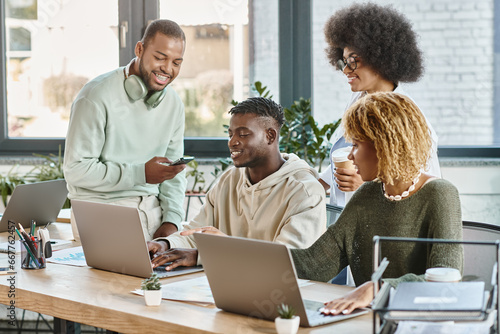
456, 92
265, 65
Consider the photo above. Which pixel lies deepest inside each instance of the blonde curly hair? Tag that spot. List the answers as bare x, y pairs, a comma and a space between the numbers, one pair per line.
398, 131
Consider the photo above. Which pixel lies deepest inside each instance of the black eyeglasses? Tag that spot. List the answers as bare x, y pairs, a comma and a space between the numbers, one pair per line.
349, 62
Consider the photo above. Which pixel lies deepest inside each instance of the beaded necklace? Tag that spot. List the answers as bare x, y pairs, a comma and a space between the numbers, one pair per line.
405, 193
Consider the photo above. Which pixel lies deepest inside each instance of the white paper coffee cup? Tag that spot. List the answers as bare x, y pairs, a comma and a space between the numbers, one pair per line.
442, 275
340, 160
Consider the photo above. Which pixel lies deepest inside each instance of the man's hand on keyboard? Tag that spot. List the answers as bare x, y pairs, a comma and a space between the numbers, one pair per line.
186, 257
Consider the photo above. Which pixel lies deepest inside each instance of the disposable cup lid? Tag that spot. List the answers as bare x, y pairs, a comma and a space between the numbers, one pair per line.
443, 275
341, 154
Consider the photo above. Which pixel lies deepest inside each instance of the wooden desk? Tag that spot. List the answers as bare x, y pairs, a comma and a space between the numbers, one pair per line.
103, 299
64, 216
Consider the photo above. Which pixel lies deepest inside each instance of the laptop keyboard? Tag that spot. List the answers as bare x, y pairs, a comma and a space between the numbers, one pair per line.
161, 272
316, 318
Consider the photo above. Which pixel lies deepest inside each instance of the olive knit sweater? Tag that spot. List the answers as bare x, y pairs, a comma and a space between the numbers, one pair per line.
432, 212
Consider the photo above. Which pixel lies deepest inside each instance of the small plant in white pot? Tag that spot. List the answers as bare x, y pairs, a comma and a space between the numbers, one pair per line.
152, 290
286, 322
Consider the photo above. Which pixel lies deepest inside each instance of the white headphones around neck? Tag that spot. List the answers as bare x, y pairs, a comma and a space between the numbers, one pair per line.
136, 89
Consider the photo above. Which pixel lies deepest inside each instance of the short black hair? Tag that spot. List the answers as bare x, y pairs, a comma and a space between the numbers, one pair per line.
381, 36
166, 27
262, 107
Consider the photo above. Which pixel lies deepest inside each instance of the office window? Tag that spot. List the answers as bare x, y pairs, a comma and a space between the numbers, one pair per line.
226, 52
53, 47
456, 92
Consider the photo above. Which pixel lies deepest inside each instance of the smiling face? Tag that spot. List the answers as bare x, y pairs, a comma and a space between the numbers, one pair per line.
364, 78
248, 140
160, 60
364, 157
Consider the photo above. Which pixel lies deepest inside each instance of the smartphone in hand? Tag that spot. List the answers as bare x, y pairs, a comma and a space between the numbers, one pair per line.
182, 161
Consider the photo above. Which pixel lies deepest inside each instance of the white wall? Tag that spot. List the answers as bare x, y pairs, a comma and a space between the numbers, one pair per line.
479, 188
456, 91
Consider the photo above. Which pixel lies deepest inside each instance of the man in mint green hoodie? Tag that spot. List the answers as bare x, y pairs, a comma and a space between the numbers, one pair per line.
125, 127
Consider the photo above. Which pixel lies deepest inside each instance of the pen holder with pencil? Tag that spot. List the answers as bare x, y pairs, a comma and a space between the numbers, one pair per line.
32, 256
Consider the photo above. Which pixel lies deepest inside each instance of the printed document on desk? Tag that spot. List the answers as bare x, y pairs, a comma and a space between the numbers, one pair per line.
194, 290
425, 327
70, 256
75, 256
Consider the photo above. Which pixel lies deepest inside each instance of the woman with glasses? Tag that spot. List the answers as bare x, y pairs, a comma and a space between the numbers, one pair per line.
376, 49
391, 143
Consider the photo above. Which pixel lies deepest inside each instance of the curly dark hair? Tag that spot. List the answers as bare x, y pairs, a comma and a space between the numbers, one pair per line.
382, 36
262, 107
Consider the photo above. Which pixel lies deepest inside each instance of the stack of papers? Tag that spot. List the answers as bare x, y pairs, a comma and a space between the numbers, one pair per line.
194, 290
438, 301
424, 327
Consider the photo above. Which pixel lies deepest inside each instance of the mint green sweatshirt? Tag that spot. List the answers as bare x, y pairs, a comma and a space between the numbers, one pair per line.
111, 137
432, 212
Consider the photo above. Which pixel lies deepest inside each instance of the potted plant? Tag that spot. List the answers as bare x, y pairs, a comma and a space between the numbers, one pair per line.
8, 183
286, 322
152, 290
198, 178
51, 168
300, 134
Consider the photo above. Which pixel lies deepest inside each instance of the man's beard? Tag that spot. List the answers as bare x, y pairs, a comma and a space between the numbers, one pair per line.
145, 77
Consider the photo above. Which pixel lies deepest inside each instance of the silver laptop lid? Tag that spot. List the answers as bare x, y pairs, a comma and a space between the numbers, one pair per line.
39, 201
250, 277
112, 238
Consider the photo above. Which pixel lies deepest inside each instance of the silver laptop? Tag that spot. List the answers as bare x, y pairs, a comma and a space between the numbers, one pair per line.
251, 277
39, 201
112, 239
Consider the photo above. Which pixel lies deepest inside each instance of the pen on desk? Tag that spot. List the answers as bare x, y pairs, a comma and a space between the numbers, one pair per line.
37, 249
21, 238
33, 226
29, 245
40, 252
19, 234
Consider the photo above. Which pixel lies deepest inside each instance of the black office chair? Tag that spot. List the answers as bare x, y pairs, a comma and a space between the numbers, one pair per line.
479, 261
332, 214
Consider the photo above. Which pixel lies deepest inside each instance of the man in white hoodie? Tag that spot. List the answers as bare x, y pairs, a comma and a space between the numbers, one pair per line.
268, 195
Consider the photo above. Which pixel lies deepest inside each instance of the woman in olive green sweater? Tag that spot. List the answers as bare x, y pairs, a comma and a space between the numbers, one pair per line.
391, 144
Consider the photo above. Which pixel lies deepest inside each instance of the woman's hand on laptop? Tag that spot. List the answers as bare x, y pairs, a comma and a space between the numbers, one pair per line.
204, 229
358, 298
155, 247
176, 257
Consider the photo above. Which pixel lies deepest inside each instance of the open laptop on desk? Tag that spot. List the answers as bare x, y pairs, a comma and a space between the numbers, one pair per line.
251, 277
112, 239
39, 201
